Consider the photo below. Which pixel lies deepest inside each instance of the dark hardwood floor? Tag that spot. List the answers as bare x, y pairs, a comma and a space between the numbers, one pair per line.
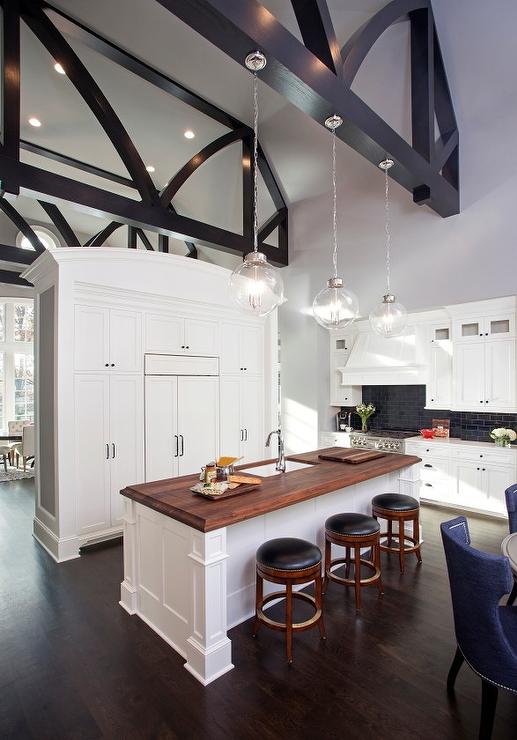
73, 664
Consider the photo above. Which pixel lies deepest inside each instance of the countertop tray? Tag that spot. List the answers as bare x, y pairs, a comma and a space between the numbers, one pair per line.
353, 457
229, 493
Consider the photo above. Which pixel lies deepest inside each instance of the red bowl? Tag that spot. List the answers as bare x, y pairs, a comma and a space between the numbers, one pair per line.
427, 433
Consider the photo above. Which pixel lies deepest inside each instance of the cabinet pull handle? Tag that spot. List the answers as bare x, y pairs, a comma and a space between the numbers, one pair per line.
427, 465
477, 468
106, 364
112, 364
182, 445
107, 451
113, 450
429, 485
483, 469
242, 435
246, 434
176, 445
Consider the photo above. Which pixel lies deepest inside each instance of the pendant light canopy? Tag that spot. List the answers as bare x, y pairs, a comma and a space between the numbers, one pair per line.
335, 306
389, 319
256, 286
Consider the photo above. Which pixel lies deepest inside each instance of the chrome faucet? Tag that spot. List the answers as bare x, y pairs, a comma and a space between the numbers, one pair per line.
280, 463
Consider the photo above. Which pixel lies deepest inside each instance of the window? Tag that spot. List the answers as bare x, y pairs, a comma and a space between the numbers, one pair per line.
23, 387
2, 390
46, 237
23, 322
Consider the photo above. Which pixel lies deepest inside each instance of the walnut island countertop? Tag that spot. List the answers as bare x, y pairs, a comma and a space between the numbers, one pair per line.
173, 498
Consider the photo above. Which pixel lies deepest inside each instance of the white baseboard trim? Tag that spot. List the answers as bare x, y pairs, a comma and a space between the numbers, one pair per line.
60, 549
128, 598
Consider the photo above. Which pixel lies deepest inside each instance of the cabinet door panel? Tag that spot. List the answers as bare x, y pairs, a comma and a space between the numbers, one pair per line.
198, 422
201, 337
440, 375
92, 467
252, 349
500, 374
230, 348
252, 415
497, 478
231, 430
161, 459
469, 373
91, 338
469, 485
164, 334
126, 438
126, 341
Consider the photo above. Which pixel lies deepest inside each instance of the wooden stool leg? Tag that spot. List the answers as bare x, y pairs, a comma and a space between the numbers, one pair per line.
289, 621
357, 577
319, 605
416, 537
401, 543
377, 563
390, 532
347, 564
259, 595
328, 551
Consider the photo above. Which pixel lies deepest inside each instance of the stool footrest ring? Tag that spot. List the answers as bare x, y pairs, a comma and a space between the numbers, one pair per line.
298, 626
351, 581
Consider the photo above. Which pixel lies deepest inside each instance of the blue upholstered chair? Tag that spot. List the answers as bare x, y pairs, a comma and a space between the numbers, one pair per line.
511, 505
486, 633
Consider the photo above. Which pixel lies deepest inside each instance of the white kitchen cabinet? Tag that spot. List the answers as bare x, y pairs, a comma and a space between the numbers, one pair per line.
334, 439
107, 339
108, 446
481, 485
242, 427
177, 335
439, 384
499, 326
181, 423
242, 349
485, 376
340, 348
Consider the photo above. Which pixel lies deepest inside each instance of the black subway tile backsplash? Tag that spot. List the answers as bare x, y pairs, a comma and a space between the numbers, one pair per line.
403, 407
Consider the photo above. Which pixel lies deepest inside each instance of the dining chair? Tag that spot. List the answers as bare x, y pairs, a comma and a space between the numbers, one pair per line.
26, 448
15, 428
511, 506
5, 452
486, 632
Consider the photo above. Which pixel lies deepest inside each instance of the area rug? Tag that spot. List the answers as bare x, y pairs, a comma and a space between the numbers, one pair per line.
15, 474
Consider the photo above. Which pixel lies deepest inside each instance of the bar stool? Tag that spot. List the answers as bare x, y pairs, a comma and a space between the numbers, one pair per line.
353, 531
289, 561
397, 507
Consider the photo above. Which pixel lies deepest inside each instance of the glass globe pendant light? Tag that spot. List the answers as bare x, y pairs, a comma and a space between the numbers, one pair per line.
389, 319
255, 285
335, 306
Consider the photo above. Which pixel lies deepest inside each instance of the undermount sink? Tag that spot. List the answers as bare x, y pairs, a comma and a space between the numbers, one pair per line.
269, 469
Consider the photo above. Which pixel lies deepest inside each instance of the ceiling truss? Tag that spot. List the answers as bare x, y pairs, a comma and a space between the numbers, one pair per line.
155, 210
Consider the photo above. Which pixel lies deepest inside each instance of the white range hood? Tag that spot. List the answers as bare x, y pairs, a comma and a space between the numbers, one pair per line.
375, 360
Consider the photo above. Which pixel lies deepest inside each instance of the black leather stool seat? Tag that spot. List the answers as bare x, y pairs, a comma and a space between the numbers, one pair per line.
395, 502
288, 553
351, 525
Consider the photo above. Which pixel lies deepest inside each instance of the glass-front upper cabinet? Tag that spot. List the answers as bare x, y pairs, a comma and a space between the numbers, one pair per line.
492, 327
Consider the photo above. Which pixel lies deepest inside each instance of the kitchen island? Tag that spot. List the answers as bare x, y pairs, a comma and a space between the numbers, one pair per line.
189, 563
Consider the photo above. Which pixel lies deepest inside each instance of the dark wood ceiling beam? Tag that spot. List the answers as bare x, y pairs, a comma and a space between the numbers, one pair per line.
13, 278
77, 164
20, 223
197, 160
238, 26
11, 78
42, 185
422, 82
80, 32
318, 32
163, 243
65, 230
91, 93
145, 240
17, 255
271, 224
98, 239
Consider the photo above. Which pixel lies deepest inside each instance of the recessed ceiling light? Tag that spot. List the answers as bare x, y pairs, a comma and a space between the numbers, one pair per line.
189, 134
59, 68
150, 168
35, 122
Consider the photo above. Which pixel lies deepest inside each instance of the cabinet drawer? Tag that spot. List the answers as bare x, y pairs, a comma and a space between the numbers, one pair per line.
422, 449
489, 455
438, 490
434, 469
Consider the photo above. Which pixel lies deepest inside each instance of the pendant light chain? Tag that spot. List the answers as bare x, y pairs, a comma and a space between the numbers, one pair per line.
255, 162
334, 204
387, 229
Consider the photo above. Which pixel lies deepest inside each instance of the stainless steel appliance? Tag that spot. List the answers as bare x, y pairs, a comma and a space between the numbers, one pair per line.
387, 440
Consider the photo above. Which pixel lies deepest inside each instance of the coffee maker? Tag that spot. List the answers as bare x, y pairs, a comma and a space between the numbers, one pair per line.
344, 420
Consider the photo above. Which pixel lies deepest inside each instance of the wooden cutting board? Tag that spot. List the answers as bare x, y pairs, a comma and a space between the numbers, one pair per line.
230, 492
353, 457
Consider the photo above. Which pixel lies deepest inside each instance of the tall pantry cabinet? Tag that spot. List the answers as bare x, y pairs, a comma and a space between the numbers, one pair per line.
99, 315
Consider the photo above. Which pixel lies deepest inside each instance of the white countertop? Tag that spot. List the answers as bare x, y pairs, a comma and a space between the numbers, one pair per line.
448, 442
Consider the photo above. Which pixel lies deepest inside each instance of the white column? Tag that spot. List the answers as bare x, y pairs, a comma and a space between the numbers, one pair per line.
208, 649
128, 587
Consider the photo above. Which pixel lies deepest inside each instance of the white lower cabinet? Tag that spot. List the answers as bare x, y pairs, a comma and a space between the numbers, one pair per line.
181, 425
108, 446
466, 477
242, 428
